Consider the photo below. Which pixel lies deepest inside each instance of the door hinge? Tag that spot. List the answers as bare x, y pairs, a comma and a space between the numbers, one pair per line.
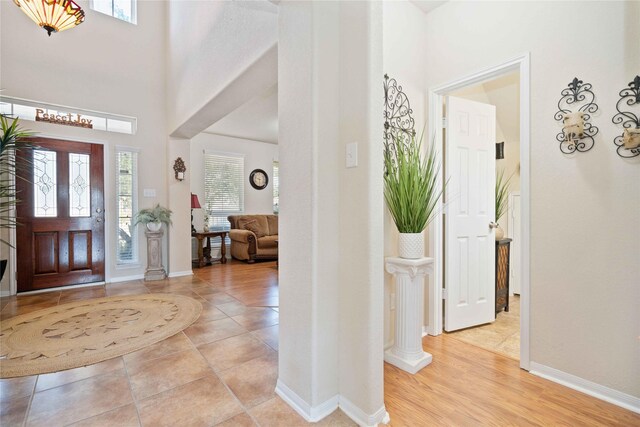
444, 293
444, 123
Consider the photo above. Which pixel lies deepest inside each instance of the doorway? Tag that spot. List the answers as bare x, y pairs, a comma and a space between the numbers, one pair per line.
61, 240
437, 97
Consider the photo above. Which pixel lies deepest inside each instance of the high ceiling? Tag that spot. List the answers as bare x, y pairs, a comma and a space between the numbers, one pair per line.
256, 120
427, 5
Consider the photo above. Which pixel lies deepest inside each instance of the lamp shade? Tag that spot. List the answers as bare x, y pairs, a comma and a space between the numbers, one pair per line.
52, 15
195, 203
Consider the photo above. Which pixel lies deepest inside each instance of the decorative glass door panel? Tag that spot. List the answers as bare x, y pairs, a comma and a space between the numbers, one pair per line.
79, 185
45, 183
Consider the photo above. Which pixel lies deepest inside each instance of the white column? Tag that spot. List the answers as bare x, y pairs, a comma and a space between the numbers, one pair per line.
406, 352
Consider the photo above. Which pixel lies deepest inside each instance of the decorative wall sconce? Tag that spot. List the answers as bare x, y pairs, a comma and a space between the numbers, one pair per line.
577, 132
499, 150
628, 142
179, 168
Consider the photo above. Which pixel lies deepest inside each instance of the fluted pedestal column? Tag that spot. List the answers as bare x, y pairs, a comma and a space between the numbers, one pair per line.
406, 352
155, 270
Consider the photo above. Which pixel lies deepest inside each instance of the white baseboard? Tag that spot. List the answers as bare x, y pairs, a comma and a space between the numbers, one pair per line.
601, 392
381, 416
181, 273
316, 413
310, 414
126, 278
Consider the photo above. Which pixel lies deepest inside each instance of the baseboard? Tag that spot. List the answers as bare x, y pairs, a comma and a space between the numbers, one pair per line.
126, 278
598, 391
365, 420
309, 413
63, 288
181, 273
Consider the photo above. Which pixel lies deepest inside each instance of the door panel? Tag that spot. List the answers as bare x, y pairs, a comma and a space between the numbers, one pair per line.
469, 241
60, 239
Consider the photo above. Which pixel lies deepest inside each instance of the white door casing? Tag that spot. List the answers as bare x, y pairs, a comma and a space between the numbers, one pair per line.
469, 239
516, 235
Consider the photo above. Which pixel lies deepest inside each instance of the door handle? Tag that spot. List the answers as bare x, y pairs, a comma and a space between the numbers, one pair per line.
493, 225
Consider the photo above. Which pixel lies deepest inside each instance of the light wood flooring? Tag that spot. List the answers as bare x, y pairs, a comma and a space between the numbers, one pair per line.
222, 371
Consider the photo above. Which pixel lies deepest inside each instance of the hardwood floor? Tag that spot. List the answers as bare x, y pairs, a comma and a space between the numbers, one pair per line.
469, 386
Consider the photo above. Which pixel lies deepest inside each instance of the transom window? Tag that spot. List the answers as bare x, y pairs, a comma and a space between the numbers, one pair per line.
125, 10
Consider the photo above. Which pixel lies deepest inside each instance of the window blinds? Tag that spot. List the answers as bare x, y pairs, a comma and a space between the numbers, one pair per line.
223, 188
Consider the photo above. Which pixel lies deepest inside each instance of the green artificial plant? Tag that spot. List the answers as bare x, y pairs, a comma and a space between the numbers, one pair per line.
411, 188
502, 193
155, 214
11, 141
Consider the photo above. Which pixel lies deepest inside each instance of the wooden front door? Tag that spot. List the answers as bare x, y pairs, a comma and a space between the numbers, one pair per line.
60, 236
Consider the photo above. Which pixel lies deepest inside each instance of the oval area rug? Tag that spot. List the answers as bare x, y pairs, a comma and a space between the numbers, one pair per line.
90, 331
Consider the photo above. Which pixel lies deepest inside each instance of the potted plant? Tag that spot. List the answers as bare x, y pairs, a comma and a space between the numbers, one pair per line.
12, 140
411, 191
502, 194
153, 218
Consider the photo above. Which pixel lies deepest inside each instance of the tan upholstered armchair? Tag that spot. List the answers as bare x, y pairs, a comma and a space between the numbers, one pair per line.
254, 237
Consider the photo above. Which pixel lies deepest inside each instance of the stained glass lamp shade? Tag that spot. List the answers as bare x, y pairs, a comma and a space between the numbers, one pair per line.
52, 15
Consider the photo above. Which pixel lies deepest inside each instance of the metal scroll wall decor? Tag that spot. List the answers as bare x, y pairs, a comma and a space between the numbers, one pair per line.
398, 123
628, 142
575, 107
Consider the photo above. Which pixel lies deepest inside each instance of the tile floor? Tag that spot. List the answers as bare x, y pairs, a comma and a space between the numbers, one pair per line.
220, 371
501, 336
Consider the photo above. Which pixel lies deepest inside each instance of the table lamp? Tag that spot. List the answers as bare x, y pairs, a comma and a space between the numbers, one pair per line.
195, 204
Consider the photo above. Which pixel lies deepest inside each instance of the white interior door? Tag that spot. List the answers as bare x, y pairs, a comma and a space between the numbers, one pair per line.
516, 241
469, 240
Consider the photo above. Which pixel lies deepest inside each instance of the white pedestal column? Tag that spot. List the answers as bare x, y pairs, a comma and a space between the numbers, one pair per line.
406, 352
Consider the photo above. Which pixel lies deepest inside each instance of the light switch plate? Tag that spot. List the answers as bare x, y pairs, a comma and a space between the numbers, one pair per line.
352, 154
149, 192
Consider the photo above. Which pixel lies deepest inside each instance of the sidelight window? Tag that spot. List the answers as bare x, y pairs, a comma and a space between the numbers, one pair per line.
127, 200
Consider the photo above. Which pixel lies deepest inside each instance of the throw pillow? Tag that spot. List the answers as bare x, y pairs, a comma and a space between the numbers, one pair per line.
255, 228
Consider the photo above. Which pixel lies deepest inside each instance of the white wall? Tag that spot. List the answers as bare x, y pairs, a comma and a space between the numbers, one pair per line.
104, 65
257, 155
584, 271
331, 277
209, 44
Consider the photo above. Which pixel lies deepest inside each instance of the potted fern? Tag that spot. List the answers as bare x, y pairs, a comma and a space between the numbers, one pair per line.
12, 140
154, 217
502, 194
411, 191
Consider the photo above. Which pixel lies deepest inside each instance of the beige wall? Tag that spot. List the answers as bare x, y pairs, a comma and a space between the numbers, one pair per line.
584, 271
103, 65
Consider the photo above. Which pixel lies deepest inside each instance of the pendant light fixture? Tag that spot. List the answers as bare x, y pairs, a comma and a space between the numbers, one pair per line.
52, 15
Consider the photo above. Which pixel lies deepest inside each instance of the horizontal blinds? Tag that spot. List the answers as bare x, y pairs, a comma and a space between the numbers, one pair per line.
223, 187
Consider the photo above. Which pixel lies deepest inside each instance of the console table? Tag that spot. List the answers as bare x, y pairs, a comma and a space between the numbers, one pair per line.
204, 252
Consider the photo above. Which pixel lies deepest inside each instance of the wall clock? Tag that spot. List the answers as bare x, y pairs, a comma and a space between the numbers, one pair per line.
258, 179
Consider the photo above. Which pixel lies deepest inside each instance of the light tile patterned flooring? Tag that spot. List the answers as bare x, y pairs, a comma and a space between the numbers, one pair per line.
221, 371
501, 336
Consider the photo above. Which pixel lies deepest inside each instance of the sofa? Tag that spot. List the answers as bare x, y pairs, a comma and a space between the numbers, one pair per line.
254, 237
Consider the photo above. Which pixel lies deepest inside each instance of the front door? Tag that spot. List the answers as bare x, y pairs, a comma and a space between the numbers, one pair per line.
469, 238
60, 236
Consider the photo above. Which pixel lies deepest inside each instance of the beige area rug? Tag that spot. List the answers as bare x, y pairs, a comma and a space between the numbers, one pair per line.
501, 336
85, 332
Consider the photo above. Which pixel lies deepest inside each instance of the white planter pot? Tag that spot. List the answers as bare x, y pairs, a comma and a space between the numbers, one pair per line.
411, 245
499, 233
154, 226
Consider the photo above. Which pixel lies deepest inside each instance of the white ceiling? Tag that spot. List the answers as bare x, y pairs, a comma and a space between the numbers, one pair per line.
256, 120
427, 5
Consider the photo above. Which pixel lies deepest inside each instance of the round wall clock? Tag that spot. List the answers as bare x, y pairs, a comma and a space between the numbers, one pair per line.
258, 179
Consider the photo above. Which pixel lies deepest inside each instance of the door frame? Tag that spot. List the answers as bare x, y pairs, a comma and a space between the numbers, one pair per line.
437, 94
13, 262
